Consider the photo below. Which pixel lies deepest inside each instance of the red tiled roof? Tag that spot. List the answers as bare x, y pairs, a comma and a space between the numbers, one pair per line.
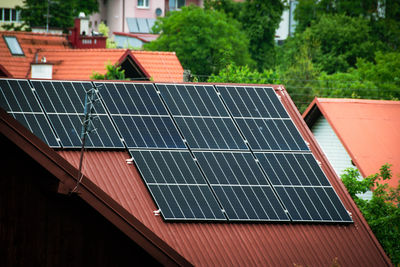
240, 244
368, 129
79, 64
19, 66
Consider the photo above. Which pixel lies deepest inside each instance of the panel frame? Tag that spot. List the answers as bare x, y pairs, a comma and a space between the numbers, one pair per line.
36, 112
75, 114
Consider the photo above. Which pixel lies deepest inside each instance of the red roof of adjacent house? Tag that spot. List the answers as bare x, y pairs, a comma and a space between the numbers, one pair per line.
19, 66
79, 64
118, 186
368, 129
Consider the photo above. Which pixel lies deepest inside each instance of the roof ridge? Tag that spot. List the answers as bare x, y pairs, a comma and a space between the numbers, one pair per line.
34, 33
353, 100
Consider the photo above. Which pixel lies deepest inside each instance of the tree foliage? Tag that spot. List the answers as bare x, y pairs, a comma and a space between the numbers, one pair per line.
114, 72
259, 19
205, 41
243, 74
61, 12
382, 212
336, 49
374, 80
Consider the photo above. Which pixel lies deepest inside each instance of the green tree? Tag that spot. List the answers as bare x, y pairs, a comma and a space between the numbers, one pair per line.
376, 80
382, 212
103, 29
260, 19
243, 74
205, 41
300, 75
62, 12
382, 16
114, 72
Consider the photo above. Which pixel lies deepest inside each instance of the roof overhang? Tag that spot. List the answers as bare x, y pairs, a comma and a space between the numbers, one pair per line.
4, 72
67, 175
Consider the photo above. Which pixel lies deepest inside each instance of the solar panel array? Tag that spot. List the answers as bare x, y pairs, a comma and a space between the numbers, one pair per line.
205, 152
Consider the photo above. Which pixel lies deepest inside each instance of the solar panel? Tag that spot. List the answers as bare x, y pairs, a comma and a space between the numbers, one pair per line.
140, 116
262, 118
201, 117
17, 99
177, 185
240, 186
218, 153
303, 187
63, 101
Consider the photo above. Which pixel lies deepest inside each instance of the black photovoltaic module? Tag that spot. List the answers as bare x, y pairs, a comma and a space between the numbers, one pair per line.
205, 152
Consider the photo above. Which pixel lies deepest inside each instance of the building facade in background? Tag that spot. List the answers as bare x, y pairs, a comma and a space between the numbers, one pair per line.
8, 13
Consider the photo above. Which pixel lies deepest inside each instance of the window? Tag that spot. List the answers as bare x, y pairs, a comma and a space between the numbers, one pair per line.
176, 4
143, 3
9, 15
13, 45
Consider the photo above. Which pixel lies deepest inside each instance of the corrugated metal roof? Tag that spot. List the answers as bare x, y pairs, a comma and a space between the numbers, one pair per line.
240, 244
368, 129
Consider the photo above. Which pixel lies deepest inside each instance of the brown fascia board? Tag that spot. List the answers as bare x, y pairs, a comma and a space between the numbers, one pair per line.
327, 167
312, 113
89, 192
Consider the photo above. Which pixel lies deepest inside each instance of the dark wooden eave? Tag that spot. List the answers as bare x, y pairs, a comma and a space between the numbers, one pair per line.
89, 192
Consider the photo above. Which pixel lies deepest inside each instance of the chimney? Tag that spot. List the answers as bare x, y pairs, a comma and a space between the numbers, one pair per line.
41, 70
80, 37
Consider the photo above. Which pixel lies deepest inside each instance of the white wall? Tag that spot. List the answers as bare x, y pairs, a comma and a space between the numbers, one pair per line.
333, 149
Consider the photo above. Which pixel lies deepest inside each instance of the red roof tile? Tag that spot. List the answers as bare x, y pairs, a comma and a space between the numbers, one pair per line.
79, 64
240, 244
368, 129
19, 66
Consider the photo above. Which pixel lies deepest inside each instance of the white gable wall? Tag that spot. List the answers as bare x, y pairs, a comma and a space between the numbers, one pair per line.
333, 149
331, 145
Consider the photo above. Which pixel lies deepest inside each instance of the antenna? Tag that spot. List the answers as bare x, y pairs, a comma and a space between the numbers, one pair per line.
91, 98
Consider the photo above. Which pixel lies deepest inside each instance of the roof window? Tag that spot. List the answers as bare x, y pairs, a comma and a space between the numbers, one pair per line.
13, 45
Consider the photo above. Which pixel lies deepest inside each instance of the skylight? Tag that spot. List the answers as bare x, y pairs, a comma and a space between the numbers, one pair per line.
13, 46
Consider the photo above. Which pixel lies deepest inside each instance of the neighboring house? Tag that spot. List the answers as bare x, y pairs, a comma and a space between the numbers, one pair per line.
357, 133
8, 13
288, 24
110, 217
133, 40
36, 55
134, 16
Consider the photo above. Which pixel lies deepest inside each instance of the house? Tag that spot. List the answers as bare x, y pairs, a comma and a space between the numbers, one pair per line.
40, 55
8, 12
134, 16
51, 213
133, 40
357, 133
287, 26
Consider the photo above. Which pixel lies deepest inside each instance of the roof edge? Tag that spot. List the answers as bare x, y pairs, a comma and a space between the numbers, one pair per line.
316, 109
89, 192
327, 168
5, 71
129, 53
